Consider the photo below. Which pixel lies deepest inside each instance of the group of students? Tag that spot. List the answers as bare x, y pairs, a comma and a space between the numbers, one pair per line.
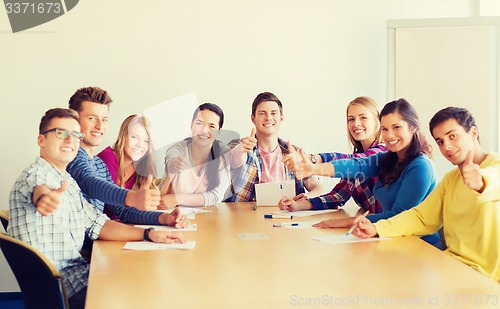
70, 191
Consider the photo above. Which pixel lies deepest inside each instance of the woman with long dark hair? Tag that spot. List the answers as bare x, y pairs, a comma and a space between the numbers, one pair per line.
406, 173
196, 171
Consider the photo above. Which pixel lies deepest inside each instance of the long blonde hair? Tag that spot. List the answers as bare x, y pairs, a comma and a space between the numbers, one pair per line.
372, 106
146, 165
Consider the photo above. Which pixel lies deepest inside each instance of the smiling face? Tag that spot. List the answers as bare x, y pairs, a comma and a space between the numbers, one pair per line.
94, 123
396, 133
267, 118
361, 123
59, 152
453, 141
137, 141
205, 128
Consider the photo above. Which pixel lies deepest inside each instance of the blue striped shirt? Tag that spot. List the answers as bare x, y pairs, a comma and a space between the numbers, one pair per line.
97, 186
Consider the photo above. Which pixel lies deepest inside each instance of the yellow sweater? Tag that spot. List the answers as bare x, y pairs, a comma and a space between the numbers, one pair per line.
471, 220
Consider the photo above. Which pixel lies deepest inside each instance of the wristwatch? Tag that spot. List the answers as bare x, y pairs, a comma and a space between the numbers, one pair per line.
146, 234
313, 159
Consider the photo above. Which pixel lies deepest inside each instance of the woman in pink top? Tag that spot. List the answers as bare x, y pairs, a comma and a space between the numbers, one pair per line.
124, 160
197, 168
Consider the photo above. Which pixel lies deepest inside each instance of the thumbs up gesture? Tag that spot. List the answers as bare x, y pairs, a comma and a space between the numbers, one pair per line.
180, 163
293, 158
47, 201
299, 162
145, 198
471, 173
249, 142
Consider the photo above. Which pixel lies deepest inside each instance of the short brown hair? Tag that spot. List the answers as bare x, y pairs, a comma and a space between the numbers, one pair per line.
265, 97
91, 94
55, 113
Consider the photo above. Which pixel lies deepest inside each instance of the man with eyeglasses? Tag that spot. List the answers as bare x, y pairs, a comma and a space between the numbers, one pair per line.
92, 175
60, 235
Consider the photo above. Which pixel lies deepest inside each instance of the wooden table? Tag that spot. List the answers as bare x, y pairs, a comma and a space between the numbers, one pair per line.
290, 269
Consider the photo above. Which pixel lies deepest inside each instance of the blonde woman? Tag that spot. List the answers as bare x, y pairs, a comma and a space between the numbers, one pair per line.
363, 129
130, 161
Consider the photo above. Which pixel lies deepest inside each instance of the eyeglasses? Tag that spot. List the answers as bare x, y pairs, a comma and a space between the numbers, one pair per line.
64, 134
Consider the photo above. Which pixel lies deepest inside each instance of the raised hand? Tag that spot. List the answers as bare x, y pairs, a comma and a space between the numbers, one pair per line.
145, 198
249, 142
180, 163
304, 168
471, 173
49, 201
293, 157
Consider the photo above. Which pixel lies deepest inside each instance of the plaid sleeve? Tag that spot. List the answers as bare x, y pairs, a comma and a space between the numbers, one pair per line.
331, 156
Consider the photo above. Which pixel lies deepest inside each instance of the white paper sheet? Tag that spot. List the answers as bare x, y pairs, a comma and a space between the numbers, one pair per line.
304, 213
270, 193
189, 212
189, 228
147, 245
343, 239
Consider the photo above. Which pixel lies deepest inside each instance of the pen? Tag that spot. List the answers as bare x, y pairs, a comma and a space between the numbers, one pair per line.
276, 216
355, 223
287, 224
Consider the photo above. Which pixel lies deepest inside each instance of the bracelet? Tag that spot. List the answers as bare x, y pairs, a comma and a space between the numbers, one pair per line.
146, 233
38, 199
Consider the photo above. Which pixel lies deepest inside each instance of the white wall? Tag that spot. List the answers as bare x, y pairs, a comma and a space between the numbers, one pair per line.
316, 55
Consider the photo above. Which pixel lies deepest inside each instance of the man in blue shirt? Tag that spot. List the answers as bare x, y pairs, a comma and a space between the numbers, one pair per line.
59, 232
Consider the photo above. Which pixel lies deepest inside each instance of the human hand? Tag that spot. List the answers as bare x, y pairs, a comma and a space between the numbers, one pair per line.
303, 168
168, 201
364, 229
292, 158
471, 173
333, 223
297, 203
249, 142
180, 163
145, 198
175, 218
166, 237
49, 201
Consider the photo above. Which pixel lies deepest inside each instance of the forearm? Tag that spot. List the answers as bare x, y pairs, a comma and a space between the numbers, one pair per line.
195, 199
323, 169
237, 157
133, 215
120, 232
313, 186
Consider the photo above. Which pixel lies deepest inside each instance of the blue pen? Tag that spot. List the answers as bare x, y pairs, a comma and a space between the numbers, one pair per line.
287, 224
276, 216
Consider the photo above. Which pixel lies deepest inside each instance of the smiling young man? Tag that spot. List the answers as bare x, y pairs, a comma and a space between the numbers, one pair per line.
265, 157
92, 175
58, 232
466, 202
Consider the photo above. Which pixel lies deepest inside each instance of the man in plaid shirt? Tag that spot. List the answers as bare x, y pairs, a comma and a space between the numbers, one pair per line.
265, 151
57, 225
359, 189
